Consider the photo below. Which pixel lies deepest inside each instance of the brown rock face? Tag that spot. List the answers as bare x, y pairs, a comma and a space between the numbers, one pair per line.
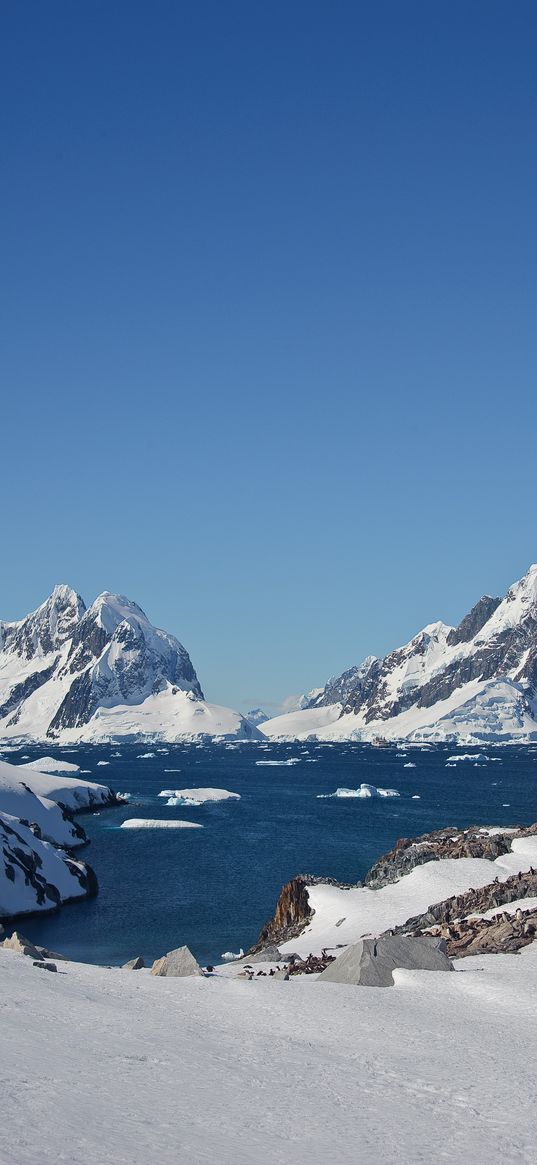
293, 911
291, 915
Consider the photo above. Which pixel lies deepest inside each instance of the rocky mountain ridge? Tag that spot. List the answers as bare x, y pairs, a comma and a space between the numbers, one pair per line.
476, 681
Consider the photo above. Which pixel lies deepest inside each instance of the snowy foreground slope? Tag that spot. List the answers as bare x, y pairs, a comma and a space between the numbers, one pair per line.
71, 674
112, 1067
474, 682
37, 873
115, 1066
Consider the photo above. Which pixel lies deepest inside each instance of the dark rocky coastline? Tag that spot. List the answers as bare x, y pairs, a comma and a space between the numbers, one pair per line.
470, 935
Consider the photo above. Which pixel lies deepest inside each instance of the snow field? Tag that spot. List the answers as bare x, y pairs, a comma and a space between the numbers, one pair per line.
112, 1067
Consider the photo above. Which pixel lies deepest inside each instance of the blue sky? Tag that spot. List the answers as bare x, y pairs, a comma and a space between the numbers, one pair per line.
268, 307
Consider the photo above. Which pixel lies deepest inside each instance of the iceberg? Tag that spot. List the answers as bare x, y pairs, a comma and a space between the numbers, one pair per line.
197, 796
364, 792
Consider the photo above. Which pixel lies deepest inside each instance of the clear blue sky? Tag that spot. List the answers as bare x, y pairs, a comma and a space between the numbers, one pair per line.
268, 348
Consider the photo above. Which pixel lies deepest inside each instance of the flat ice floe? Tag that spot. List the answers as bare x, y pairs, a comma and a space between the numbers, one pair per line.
364, 792
197, 796
49, 764
292, 760
154, 823
146, 755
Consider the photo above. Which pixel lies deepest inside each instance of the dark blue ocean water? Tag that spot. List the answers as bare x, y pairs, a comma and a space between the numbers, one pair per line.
214, 888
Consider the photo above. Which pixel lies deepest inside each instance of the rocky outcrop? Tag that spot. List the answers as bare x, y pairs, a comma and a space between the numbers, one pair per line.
442, 843
293, 911
504, 934
485, 898
136, 964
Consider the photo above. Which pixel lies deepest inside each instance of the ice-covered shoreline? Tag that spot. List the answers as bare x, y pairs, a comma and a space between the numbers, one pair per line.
38, 869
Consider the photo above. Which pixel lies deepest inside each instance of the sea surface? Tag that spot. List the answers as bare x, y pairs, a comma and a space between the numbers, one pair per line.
213, 888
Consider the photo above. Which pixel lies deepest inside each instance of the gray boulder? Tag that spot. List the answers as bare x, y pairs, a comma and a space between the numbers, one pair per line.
179, 964
269, 954
370, 962
134, 964
46, 966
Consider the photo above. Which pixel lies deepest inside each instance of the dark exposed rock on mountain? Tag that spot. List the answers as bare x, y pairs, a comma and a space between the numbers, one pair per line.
25, 859
340, 689
473, 621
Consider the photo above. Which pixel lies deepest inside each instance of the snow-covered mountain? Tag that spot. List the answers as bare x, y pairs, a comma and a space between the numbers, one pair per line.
474, 682
256, 716
72, 673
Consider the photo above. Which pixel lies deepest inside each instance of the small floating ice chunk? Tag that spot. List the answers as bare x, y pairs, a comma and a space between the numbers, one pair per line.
416, 797
409, 765
145, 755
229, 956
153, 823
100, 763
